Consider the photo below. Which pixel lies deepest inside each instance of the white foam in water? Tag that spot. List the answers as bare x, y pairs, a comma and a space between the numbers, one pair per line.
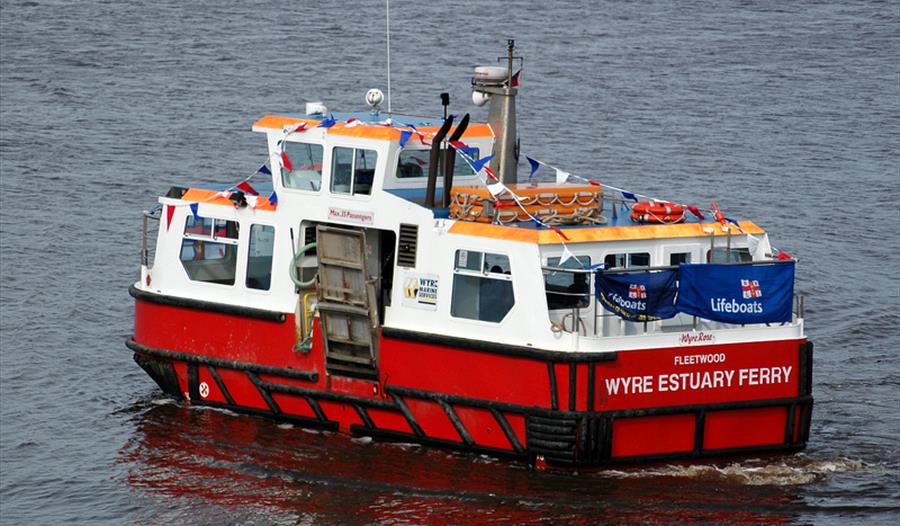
753, 472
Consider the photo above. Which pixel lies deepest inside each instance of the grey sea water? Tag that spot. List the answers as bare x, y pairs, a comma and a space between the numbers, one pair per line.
784, 112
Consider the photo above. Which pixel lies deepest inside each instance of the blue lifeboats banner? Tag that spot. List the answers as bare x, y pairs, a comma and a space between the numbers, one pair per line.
638, 296
741, 294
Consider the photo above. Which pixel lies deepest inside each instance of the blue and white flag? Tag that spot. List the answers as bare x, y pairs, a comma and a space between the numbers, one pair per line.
742, 294
535, 166
638, 296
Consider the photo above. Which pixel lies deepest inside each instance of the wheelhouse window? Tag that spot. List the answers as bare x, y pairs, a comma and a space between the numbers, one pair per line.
724, 255
482, 286
567, 290
259, 257
209, 249
414, 163
632, 260
352, 170
306, 164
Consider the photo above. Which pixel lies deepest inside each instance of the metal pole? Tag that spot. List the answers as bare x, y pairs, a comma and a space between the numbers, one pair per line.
145, 256
387, 11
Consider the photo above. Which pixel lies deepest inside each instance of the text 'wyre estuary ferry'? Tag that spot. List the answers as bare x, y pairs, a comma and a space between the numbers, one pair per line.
387, 275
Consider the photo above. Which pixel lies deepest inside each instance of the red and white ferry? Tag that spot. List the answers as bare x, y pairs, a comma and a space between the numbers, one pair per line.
386, 282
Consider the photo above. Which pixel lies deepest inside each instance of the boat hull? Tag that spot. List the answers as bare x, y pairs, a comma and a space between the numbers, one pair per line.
573, 409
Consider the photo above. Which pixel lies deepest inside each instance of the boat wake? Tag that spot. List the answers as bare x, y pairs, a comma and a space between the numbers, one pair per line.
797, 470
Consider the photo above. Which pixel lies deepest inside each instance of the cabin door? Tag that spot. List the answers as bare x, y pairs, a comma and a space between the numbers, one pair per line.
347, 302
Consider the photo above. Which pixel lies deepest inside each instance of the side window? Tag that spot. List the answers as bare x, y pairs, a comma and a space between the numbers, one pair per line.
209, 249
353, 170
678, 258
566, 290
306, 161
259, 257
414, 163
633, 260
482, 286
723, 255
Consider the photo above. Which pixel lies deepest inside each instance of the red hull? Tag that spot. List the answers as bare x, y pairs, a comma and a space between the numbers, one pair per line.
573, 409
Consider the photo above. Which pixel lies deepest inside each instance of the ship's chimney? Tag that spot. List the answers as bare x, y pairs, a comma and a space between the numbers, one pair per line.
496, 84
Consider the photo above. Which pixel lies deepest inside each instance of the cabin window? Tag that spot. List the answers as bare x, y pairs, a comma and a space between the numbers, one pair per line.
306, 161
679, 258
567, 290
633, 260
482, 286
353, 170
414, 163
724, 255
209, 249
259, 257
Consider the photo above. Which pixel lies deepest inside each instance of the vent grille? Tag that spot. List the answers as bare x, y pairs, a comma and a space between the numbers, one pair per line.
406, 249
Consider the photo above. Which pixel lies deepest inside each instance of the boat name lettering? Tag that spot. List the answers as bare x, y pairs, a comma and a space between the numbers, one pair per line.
690, 338
698, 380
357, 216
692, 359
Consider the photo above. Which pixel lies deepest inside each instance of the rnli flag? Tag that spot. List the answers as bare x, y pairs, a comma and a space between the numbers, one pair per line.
638, 296
741, 294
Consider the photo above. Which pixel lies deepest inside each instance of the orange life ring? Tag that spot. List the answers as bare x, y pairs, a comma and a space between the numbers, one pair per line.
657, 212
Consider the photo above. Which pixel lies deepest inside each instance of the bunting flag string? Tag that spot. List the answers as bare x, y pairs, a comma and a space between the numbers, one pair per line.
536, 164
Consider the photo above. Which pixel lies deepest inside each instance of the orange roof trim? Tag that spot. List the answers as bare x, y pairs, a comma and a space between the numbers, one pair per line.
198, 195
587, 235
367, 131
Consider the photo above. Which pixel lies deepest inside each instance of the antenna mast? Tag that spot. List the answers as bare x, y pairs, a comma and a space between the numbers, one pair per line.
388, 16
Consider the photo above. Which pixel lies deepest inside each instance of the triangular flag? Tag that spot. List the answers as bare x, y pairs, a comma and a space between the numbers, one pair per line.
491, 174
264, 170
566, 256
735, 223
327, 123
479, 164
696, 211
496, 188
194, 207
286, 162
252, 201
784, 256
560, 232
515, 80
170, 211
353, 121
535, 166
245, 186
465, 150
273, 199
629, 195
561, 176
404, 137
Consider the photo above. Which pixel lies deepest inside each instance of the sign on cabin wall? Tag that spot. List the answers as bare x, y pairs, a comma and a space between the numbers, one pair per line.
420, 291
355, 216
